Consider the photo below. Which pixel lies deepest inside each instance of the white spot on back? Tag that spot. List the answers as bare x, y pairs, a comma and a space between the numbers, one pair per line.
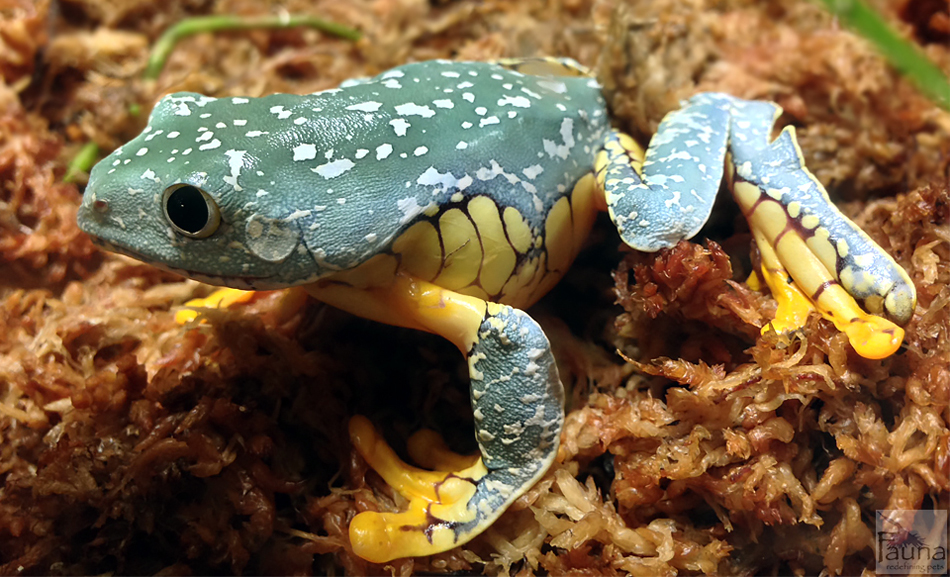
370, 106
281, 113
413, 109
305, 151
383, 151
400, 125
334, 169
235, 163
518, 101
210, 145
533, 171
409, 207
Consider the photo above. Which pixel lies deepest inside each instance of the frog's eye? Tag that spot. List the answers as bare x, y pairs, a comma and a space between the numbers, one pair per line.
191, 211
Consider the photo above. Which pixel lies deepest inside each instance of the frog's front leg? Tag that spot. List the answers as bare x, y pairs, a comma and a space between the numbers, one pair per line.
517, 399
668, 195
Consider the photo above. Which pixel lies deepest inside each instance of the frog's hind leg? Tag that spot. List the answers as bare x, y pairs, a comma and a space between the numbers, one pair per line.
517, 399
799, 230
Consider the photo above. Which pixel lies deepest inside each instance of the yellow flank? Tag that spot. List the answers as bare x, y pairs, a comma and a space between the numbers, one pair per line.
519, 233
442, 494
475, 291
531, 292
377, 271
463, 252
519, 291
499, 257
544, 285
559, 236
600, 167
519, 280
583, 210
419, 250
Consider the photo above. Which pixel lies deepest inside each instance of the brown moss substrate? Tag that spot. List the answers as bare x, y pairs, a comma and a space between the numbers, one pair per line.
132, 445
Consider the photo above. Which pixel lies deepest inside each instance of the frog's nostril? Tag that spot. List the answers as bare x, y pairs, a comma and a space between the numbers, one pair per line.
100, 206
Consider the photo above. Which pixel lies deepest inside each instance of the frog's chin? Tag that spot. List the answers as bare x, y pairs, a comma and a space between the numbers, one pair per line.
244, 282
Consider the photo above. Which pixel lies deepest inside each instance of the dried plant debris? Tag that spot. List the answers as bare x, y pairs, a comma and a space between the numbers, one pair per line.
130, 444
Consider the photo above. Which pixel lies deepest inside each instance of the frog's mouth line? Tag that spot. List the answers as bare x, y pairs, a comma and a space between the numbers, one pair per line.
243, 282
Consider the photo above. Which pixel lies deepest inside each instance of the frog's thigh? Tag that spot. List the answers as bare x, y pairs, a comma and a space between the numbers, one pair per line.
517, 400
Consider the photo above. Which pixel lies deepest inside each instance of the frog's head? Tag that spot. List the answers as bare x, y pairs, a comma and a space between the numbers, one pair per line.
193, 194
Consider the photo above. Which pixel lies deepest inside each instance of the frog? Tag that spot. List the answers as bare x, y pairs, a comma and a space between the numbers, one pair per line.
448, 197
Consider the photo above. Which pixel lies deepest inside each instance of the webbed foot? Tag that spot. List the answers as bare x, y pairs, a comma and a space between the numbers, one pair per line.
438, 500
802, 236
221, 298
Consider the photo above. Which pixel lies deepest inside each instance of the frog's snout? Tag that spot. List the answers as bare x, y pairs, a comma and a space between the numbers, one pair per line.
100, 206
91, 211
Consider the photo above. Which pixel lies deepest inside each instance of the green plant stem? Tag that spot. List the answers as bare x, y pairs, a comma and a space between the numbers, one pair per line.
82, 162
903, 55
199, 24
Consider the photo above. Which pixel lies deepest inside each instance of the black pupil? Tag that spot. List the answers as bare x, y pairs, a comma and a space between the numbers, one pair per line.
187, 209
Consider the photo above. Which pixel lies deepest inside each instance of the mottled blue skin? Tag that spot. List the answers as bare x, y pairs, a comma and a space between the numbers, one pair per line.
259, 166
682, 170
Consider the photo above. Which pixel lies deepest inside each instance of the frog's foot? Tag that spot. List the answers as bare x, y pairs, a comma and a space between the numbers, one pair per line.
517, 399
872, 337
221, 298
793, 306
802, 235
438, 500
